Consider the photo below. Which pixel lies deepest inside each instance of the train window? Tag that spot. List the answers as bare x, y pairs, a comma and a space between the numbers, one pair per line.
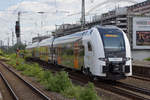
113, 39
89, 46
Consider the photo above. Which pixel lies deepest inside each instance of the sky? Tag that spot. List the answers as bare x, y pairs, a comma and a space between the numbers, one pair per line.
56, 12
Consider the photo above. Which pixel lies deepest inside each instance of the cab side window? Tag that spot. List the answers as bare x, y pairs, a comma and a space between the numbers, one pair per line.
89, 46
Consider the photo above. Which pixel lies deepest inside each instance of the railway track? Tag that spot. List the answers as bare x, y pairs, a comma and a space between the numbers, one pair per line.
21, 88
122, 89
141, 71
123, 92
141, 78
9, 94
133, 88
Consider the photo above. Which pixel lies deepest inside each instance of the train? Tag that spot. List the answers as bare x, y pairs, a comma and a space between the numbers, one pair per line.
99, 52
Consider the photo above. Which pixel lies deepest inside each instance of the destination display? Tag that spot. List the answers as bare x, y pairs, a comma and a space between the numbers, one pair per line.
141, 33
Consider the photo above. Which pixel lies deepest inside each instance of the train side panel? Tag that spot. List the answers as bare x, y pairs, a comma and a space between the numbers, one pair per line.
70, 54
44, 53
29, 52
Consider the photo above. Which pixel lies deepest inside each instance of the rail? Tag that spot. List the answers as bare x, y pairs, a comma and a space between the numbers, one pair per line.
28, 84
9, 87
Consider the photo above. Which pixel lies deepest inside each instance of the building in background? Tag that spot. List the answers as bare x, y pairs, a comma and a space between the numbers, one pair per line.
140, 8
40, 38
117, 17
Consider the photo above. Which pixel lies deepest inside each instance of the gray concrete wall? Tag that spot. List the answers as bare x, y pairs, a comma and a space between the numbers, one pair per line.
140, 54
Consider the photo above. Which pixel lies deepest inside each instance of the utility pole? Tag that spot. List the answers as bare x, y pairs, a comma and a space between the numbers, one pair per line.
8, 44
1, 43
8, 41
25, 43
83, 15
42, 23
12, 38
38, 37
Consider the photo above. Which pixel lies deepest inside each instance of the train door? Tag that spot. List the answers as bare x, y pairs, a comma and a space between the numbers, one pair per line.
88, 55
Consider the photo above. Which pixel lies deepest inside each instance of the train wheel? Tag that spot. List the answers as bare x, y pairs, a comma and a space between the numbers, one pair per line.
55, 62
83, 70
87, 72
91, 77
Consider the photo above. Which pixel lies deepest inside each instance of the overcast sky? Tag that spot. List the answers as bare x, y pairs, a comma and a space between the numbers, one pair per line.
56, 13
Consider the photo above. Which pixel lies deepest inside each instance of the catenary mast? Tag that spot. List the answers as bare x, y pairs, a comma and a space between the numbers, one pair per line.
83, 15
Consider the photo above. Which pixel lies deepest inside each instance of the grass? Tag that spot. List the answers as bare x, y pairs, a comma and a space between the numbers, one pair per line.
147, 59
58, 82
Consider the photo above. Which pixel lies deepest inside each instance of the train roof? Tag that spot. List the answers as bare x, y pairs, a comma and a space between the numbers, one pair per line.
69, 38
46, 42
107, 26
33, 45
78, 35
66, 39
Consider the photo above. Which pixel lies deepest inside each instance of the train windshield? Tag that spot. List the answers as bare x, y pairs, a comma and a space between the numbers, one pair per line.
112, 39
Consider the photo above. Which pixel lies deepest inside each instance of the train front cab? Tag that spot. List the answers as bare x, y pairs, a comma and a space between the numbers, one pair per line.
107, 53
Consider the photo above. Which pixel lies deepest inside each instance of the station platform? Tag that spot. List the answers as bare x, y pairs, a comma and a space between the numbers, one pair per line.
141, 63
141, 68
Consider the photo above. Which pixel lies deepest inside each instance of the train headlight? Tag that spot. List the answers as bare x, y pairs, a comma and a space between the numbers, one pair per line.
103, 59
126, 59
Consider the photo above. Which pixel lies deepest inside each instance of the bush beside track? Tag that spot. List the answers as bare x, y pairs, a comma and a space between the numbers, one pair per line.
58, 82
147, 59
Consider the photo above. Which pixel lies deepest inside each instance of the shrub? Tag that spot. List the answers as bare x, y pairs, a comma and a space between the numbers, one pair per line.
82, 93
32, 70
43, 76
21, 67
58, 83
72, 92
12, 62
63, 81
88, 93
1, 52
147, 59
